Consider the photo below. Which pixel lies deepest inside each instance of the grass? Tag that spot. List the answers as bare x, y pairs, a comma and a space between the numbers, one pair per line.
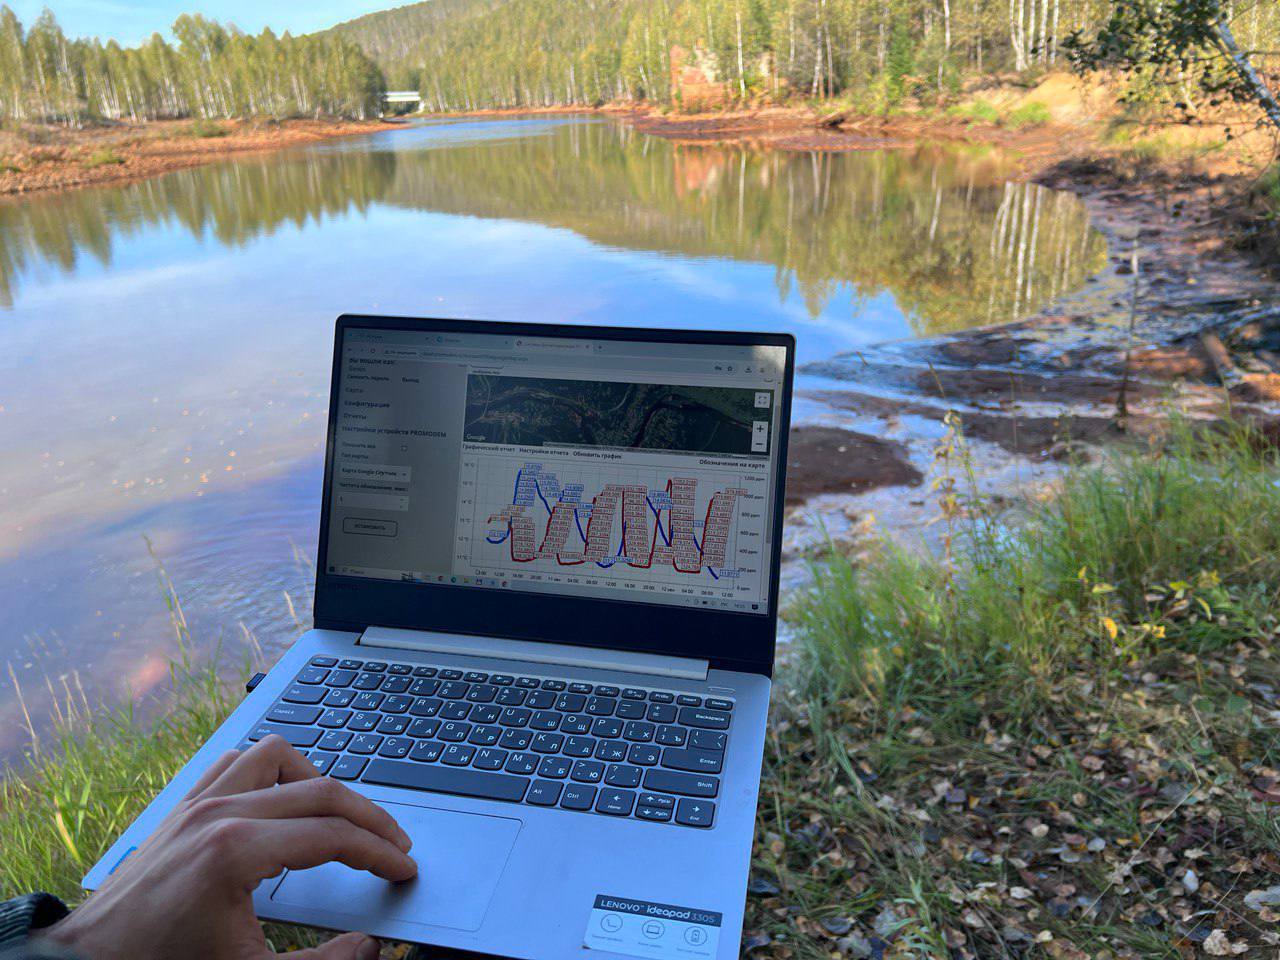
1030, 114
207, 129
976, 111
1268, 189
1034, 743
104, 157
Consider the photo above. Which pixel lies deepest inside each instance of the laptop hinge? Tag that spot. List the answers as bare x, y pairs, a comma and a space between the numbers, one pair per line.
529, 651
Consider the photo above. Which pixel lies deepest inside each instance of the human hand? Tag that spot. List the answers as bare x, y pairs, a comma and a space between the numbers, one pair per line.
186, 894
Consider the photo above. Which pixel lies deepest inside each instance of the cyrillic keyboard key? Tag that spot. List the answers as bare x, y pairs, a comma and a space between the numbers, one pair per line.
696, 813
685, 784
554, 768
339, 698
522, 763
619, 775
340, 677
335, 741
457, 755
297, 736
452, 780
312, 675
396, 747
644, 755
672, 736
426, 751
293, 713
365, 743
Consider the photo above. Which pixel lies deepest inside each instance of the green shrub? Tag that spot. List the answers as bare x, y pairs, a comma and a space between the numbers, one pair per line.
104, 157
1031, 114
207, 129
976, 111
1268, 188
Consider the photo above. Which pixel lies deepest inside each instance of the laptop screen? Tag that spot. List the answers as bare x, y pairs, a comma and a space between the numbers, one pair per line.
605, 469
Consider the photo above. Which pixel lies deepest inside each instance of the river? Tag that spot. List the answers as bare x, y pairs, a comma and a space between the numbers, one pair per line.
165, 345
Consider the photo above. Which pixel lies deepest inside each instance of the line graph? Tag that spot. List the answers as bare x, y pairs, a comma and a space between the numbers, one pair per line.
643, 523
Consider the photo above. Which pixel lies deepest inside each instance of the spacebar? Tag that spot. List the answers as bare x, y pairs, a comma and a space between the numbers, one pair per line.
463, 783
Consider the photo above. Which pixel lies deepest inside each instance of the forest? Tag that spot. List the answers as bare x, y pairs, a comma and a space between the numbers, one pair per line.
468, 54
213, 71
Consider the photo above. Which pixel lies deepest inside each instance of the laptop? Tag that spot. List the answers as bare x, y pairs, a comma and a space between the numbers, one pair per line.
545, 612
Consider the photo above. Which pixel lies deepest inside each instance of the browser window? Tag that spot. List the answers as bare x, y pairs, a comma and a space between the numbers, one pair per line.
594, 468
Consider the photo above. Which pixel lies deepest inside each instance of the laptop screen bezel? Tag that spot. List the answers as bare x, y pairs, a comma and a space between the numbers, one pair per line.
727, 639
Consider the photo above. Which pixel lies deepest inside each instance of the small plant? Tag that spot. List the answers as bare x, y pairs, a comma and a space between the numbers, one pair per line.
105, 157
207, 130
1268, 189
1030, 114
977, 111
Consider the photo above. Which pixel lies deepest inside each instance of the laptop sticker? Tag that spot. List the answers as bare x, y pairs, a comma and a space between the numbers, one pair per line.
642, 928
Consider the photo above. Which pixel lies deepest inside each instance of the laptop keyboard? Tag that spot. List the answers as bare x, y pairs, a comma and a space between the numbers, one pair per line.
618, 751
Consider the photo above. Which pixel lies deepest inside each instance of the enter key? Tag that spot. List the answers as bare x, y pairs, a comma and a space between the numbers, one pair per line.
692, 760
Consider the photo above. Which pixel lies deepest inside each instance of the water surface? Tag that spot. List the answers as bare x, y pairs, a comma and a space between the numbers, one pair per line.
165, 345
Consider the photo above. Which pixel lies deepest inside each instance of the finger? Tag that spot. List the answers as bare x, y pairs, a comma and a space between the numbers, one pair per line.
318, 797
269, 761
262, 848
349, 946
212, 773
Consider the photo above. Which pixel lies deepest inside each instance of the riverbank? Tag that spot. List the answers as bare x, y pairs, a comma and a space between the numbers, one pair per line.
1058, 740
40, 159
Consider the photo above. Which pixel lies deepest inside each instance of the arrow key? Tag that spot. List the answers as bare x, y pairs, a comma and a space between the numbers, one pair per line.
696, 813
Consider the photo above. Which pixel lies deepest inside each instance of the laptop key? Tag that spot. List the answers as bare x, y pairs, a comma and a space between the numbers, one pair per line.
575, 723
685, 784
293, 713
424, 688
334, 740
350, 664
396, 747
347, 768
490, 759
644, 754
426, 751
554, 768
367, 701
340, 678
453, 690
630, 710
475, 676
297, 736
423, 729
587, 771
696, 813
395, 685
570, 702
578, 796
511, 696
484, 736
528, 683
368, 681
694, 761
656, 814
579, 688
639, 731
554, 685
515, 717
454, 731
540, 700
321, 762
397, 704
611, 750
442, 779
482, 693
502, 679
631, 693
365, 743
606, 728
523, 763
485, 713
616, 803
707, 740
457, 754
715, 703
544, 793
701, 717
363, 722
547, 742
339, 698
393, 725
619, 775
424, 672
450, 674
661, 696
298, 693
333, 719
375, 666
324, 661
674, 736
400, 669
579, 747
661, 713
455, 710
545, 720
424, 707
689, 700
516, 740
601, 706
312, 675
658, 801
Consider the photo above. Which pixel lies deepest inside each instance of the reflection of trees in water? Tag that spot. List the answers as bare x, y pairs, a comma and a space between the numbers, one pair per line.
941, 230
231, 203
954, 243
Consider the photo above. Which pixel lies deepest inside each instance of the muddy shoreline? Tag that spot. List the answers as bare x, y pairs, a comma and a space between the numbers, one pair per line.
42, 160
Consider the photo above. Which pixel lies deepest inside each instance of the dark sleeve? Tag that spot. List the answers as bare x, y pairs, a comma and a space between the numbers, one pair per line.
21, 915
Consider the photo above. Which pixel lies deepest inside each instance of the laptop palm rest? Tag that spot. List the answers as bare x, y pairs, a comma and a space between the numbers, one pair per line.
460, 857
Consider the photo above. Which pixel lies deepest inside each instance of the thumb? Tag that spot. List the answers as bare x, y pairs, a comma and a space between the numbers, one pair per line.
349, 946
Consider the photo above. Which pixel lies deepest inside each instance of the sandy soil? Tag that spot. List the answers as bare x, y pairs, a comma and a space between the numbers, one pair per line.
55, 159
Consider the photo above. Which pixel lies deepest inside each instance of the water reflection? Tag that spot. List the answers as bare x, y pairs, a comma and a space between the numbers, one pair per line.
940, 230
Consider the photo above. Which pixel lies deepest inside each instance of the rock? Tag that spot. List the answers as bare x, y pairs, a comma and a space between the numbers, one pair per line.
855, 946
837, 926
762, 886
887, 922
1190, 882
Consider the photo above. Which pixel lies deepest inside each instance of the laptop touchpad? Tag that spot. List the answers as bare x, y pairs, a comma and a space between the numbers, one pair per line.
460, 857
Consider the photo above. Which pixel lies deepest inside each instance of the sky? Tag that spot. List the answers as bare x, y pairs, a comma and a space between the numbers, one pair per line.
131, 21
